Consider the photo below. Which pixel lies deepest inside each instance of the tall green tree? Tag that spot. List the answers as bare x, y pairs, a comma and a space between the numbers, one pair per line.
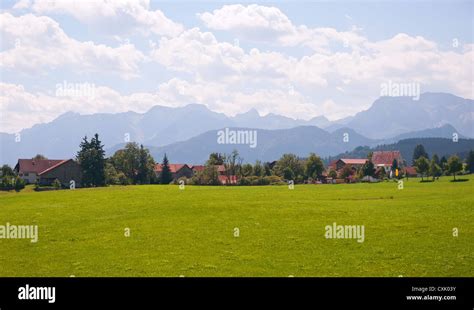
314, 166
454, 165
268, 169
288, 174
146, 165
165, 176
368, 169
288, 162
215, 159
443, 163
6, 170
435, 169
258, 169
91, 157
435, 157
422, 166
418, 152
133, 164
470, 161
247, 170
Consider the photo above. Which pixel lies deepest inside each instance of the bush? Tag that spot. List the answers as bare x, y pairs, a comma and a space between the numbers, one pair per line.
19, 184
56, 184
7, 183
274, 180
244, 181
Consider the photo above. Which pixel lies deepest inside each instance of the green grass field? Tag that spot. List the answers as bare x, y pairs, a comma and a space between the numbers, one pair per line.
190, 232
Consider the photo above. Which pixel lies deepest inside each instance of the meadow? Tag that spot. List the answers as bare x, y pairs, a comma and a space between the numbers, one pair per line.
160, 230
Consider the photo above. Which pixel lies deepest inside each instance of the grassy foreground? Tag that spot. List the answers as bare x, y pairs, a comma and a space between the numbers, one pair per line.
190, 232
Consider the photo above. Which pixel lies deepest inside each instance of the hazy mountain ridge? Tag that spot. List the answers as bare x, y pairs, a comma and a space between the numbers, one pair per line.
440, 146
162, 126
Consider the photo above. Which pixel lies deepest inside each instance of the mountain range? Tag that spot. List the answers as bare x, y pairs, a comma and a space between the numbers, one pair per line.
192, 130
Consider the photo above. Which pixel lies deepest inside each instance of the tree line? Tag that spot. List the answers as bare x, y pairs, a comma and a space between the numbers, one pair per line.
134, 165
437, 167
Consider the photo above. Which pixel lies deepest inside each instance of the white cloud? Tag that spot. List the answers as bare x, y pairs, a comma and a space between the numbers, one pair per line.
36, 44
223, 76
253, 21
117, 16
20, 108
269, 24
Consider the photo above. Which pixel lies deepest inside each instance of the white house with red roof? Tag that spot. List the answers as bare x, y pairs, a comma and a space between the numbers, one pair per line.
29, 169
45, 171
384, 159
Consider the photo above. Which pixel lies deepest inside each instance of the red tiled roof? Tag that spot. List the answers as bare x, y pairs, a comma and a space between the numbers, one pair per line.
54, 166
173, 167
220, 168
386, 157
36, 165
353, 161
198, 168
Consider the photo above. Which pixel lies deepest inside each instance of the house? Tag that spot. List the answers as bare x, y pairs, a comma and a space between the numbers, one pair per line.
29, 169
354, 163
384, 159
222, 176
332, 165
65, 171
177, 170
198, 168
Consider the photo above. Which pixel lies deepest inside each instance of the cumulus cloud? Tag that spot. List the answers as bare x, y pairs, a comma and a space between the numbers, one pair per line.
32, 44
253, 21
226, 77
269, 24
112, 16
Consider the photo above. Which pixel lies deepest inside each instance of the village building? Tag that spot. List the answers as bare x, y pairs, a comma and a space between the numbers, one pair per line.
384, 159
198, 168
68, 172
177, 171
29, 169
354, 163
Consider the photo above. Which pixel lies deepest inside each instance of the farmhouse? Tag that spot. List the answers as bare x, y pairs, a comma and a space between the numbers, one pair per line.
198, 168
384, 159
354, 163
29, 169
65, 171
177, 170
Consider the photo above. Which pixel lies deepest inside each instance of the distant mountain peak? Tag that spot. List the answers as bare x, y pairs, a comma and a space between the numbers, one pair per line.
67, 115
250, 113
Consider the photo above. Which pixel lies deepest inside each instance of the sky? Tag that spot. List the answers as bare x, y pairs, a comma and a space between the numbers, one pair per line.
299, 59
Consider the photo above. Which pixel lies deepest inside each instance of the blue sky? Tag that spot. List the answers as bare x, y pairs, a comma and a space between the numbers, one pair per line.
299, 59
